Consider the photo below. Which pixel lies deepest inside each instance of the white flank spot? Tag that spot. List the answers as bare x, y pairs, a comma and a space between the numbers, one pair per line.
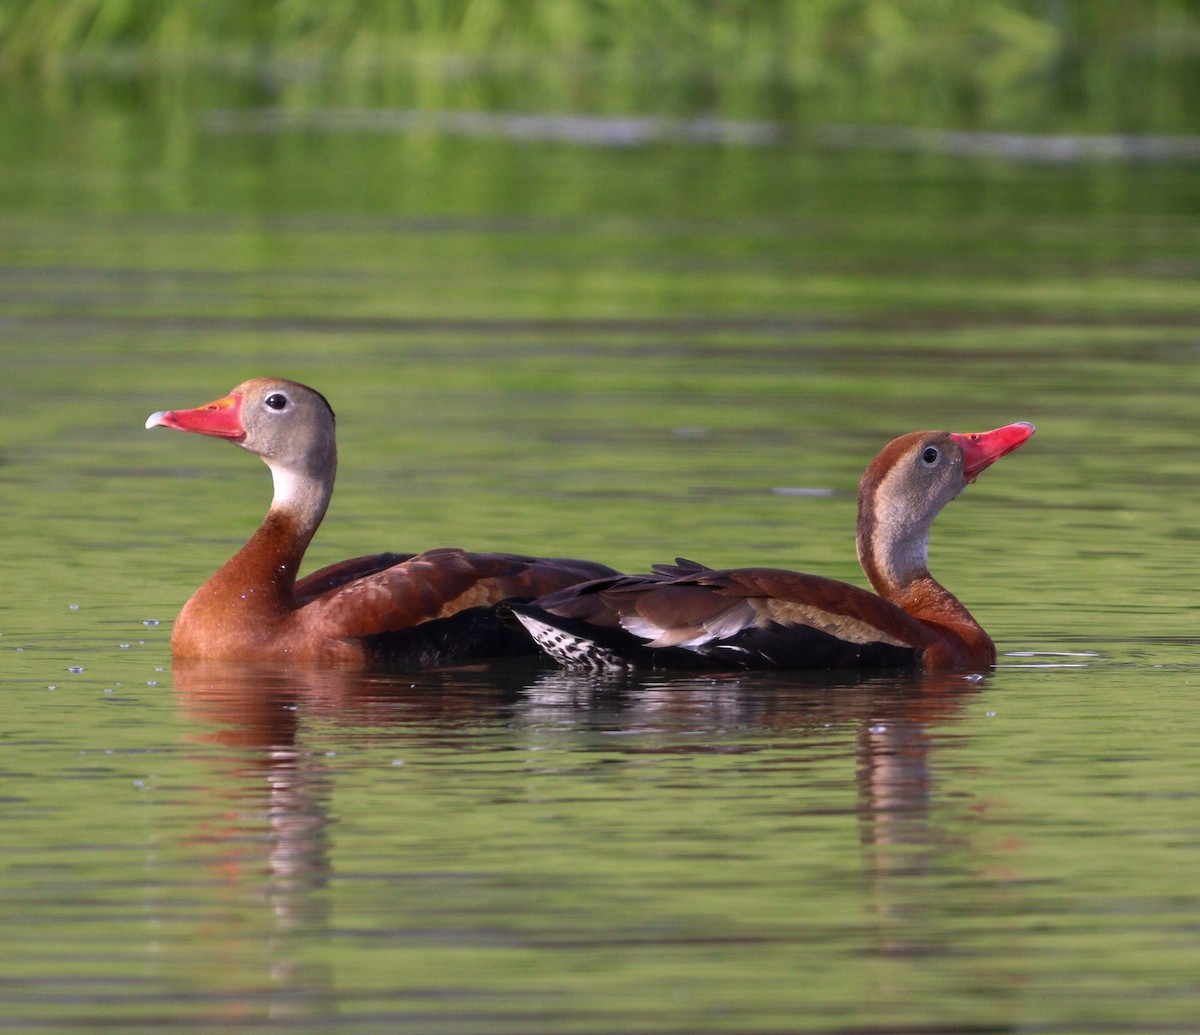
658, 637
640, 627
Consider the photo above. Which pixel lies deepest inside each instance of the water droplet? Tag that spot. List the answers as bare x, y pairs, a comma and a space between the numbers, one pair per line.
990, 715
52, 687
76, 669
878, 728
123, 646
397, 761
73, 607
150, 621
108, 689
152, 682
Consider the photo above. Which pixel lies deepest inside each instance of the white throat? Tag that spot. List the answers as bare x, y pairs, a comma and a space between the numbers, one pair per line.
292, 489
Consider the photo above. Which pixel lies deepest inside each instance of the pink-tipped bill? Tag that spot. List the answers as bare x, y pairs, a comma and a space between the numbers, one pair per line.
221, 418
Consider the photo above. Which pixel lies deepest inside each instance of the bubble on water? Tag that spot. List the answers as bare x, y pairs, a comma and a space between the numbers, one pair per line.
76, 669
123, 646
150, 621
990, 715
52, 687
397, 761
108, 689
73, 607
801, 490
152, 682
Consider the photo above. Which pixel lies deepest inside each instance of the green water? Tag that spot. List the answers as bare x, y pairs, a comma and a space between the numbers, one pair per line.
620, 353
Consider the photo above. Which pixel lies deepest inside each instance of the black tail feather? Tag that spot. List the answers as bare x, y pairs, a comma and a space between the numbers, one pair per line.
473, 634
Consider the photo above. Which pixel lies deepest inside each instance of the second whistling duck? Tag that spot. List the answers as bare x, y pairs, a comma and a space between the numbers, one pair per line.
687, 616
382, 609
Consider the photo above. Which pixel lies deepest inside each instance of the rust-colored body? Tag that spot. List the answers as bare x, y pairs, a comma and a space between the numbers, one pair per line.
406, 609
688, 616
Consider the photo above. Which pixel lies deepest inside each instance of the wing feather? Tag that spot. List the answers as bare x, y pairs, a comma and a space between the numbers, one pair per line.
687, 605
436, 584
334, 575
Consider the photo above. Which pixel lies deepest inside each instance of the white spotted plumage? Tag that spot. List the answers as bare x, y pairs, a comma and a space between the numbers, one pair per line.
568, 649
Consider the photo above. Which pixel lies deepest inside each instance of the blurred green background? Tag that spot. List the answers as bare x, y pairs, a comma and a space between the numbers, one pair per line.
1047, 65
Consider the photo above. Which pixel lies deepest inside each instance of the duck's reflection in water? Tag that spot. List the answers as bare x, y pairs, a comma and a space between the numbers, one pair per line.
266, 809
896, 725
282, 788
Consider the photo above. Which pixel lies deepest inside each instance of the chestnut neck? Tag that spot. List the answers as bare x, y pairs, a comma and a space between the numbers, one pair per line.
262, 574
893, 549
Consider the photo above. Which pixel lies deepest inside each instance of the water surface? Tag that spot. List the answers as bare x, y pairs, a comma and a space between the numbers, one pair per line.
627, 354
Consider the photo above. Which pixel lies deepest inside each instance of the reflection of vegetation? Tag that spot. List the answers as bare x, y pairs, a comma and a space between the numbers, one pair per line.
970, 62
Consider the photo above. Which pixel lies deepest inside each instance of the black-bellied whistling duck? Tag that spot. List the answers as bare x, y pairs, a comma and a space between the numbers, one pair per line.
688, 616
385, 608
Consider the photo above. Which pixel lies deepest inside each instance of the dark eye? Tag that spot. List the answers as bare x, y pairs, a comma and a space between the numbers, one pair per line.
276, 401
930, 456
